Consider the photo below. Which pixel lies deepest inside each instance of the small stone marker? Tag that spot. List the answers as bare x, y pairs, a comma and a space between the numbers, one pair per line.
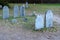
22, 11
16, 10
0, 6
14, 21
49, 19
34, 4
39, 22
5, 12
33, 14
25, 19
26, 4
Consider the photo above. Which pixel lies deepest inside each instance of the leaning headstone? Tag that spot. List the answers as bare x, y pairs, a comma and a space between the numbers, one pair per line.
16, 10
26, 4
5, 12
49, 18
22, 11
39, 22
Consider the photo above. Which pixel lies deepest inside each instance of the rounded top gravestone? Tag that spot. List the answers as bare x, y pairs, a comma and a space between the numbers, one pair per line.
49, 18
39, 22
5, 12
49, 14
22, 11
16, 10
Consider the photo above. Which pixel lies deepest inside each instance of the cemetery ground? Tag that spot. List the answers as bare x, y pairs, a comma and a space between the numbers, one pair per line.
25, 30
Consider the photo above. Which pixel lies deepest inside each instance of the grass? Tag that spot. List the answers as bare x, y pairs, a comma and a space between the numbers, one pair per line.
29, 25
39, 8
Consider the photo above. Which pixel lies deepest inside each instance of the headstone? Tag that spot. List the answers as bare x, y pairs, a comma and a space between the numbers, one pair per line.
33, 14
0, 6
14, 21
39, 22
49, 18
25, 19
16, 10
26, 4
5, 12
22, 11
34, 3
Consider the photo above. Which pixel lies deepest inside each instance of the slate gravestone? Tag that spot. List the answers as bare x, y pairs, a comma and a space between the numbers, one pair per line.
5, 12
22, 11
16, 10
39, 22
49, 18
26, 4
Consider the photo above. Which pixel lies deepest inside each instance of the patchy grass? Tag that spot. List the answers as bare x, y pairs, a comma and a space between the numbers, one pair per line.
39, 8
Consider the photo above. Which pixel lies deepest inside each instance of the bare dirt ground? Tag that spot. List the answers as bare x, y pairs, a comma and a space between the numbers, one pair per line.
13, 32
57, 19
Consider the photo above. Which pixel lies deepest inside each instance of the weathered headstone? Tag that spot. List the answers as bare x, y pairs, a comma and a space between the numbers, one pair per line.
26, 4
16, 10
39, 22
49, 18
5, 12
22, 11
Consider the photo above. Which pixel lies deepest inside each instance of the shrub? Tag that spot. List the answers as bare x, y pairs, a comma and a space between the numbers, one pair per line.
4, 3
